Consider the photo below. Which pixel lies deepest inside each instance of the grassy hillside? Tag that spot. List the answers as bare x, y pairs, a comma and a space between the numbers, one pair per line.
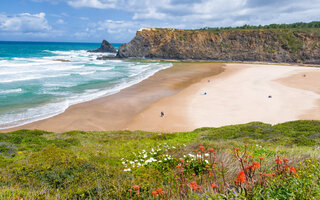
106, 165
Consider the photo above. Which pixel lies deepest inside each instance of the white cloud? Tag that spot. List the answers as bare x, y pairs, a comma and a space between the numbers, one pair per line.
112, 26
100, 4
200, 13
118, 30
135, 14
212, 12
84, 18
24, 23
54, 2
60, 21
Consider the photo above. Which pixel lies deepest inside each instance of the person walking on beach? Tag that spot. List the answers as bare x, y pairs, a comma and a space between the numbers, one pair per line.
162, 114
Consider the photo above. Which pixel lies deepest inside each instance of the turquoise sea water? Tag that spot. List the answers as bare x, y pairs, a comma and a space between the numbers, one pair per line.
35, 85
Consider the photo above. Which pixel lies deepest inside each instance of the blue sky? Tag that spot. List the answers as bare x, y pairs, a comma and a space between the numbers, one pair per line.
118, 20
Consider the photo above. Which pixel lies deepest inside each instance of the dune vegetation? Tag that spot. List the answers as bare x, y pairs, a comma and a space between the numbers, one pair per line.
248, 161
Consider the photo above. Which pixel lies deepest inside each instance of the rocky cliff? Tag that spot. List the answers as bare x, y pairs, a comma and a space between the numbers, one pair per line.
105, 47
234, 45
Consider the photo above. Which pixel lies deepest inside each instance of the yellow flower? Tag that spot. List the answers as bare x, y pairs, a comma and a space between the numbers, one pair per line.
19, 152
310, 175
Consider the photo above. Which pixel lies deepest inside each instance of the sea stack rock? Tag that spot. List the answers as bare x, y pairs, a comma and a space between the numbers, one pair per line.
105, 47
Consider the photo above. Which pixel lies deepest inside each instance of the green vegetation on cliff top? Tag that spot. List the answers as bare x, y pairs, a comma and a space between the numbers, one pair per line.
36, 164
299, 27
311, 27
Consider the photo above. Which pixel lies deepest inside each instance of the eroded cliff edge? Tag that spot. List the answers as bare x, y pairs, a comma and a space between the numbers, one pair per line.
236, 45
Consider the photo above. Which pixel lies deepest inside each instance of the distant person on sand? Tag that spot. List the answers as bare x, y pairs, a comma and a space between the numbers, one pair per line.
205, 93
162, 114
304, 75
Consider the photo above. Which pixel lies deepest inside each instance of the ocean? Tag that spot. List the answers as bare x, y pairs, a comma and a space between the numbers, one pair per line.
36, 82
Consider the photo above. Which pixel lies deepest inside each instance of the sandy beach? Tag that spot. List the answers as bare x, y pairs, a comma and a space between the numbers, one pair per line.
239, 95
235, 93
116, 111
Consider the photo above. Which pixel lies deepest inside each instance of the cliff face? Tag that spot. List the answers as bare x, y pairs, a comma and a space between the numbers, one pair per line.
235, 45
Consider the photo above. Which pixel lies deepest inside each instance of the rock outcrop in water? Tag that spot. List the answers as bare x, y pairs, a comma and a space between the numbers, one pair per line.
234, 45
105, 47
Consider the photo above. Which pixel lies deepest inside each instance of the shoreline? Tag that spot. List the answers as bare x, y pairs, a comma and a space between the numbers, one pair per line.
207, 61
236, 94
113, 112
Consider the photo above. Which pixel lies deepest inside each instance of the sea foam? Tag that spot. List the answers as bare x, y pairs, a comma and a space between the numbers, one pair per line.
46, 86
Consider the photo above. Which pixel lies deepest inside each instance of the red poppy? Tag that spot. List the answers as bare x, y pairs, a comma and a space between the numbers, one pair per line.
192, 183
214, 186
255, 165
261, 158
285, 160
293, 171
248, 167
278, 161
195, 186
199, 188
285, 166
154, 194
201, 148
160, 191
268, 174
136, 187
241, 178
211, 150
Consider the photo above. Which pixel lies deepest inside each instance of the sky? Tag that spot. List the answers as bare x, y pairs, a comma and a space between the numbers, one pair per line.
118, 20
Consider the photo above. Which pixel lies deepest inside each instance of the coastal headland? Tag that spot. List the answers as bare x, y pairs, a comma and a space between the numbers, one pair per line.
264, 45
